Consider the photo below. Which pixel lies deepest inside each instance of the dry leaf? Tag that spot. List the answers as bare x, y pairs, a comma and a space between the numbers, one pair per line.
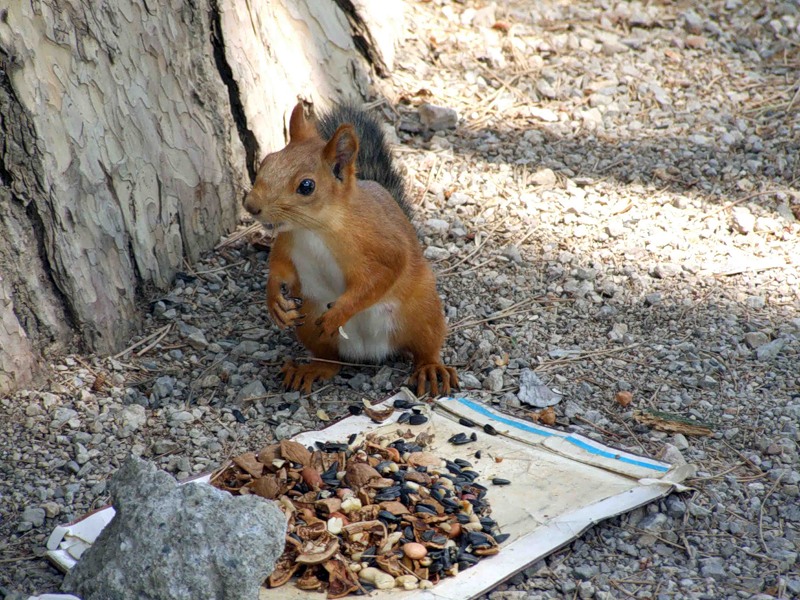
99, 382
547, 416
623, 398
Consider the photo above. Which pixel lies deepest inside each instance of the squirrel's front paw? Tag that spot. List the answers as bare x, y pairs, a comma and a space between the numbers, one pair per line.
331, 322
284, 310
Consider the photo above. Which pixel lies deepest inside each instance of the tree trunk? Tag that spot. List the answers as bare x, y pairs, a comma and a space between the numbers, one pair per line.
129, 133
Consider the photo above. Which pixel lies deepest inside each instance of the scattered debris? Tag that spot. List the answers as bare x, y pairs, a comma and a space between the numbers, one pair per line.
672, 423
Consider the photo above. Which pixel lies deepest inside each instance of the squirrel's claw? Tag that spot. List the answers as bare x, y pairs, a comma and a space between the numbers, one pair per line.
302, 377
285, 311
432, 374
329, 323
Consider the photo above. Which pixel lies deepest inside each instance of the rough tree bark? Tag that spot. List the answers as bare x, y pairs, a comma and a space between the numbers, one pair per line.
129, 131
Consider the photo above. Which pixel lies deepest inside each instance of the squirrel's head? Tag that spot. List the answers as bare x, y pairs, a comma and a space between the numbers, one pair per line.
305, 185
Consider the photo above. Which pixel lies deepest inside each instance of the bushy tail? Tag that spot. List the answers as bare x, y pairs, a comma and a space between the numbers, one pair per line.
374, 159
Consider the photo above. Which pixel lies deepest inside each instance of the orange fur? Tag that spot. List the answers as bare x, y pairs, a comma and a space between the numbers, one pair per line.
347, 242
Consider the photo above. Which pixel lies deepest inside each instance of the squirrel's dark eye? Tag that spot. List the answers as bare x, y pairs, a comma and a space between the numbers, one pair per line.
306, 187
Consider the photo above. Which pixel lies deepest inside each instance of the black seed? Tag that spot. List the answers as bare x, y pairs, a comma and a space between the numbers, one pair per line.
385, 515
439, 540
355, 409
474, 436
466, 422
500, 481
237, 414
478, 454
453, 467
501, 538
351, 438
454, 439
404, 418
403, 404
489, 429
488, 522
478, 539
479, 487
418, 419
425, 509
462, 518
408, 533
427, 535
435, 567
470, 475
398, 476
464, 464
449, 503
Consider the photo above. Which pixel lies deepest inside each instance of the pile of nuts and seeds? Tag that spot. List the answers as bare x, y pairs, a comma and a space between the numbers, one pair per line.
377, 514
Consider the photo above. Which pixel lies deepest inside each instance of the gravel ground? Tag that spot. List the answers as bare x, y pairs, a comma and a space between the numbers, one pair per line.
617, 210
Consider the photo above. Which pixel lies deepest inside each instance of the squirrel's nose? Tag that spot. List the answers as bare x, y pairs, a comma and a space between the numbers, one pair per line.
250, 207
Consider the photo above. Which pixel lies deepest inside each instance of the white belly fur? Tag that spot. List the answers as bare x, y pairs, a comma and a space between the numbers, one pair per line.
322, 281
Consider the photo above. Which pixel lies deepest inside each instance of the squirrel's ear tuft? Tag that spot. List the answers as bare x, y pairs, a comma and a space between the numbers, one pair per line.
341, 151
299, 127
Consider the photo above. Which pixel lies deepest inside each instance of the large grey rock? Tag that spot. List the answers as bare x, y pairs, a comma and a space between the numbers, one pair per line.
170, 541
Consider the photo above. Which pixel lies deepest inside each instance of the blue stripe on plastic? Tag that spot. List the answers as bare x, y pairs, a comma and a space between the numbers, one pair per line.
543, 432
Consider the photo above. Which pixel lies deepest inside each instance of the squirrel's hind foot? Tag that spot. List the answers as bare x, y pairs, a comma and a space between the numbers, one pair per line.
302, 377
431, 375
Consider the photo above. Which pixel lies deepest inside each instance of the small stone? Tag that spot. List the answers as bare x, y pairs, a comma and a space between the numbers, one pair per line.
652, 522
696, 41
194, 335
512, 253
653, 298
680, 442
468, 381
665, 270
543, 114
544, 177
436, 253
180, 417
437, 226
618, 331
51, 509
611, 47
164, 386
585, 572
770, 350
437, 118
743, 220
693, 22
672, 455
676, 507
592, 118
34, 515
615, 229
755, 302
494, 380
254, 390
713, 567
755, 339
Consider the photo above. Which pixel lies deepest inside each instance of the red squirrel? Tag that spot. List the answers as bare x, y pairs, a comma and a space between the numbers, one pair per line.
346, 269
